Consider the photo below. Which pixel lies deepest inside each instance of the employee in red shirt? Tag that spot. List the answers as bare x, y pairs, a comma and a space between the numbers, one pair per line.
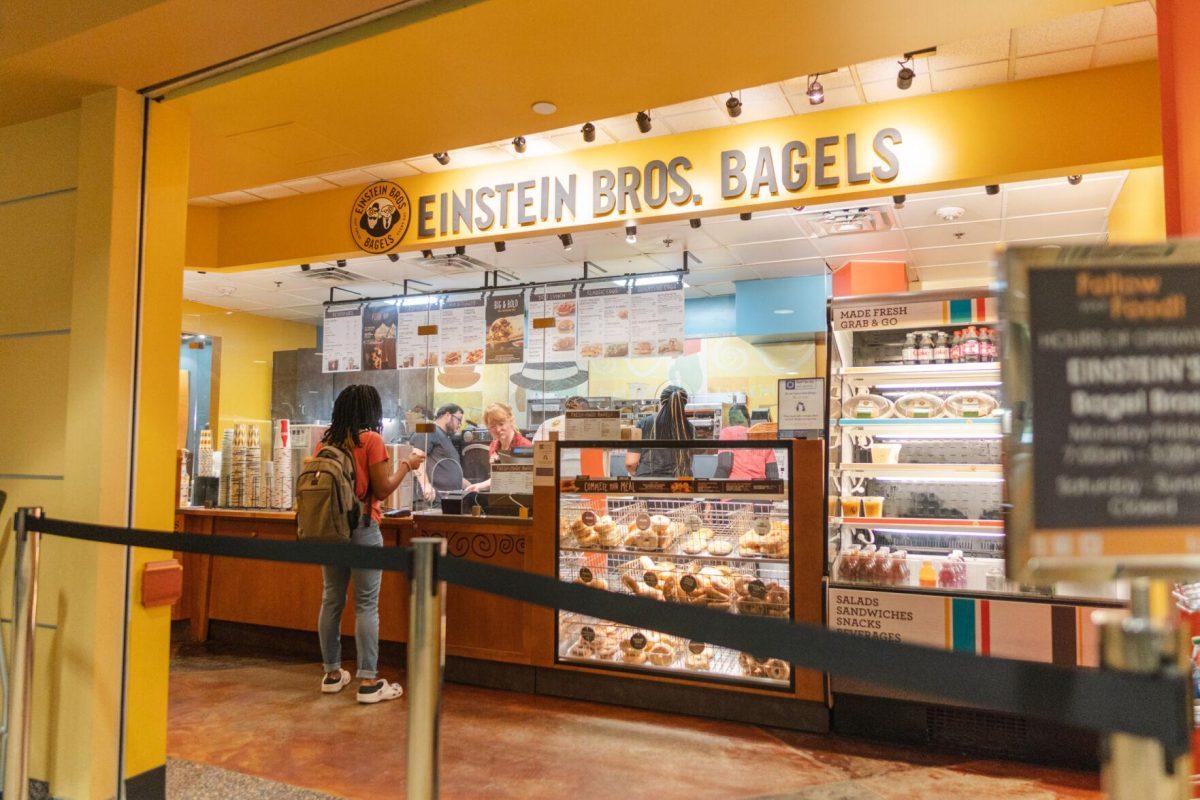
743, 465
498, 417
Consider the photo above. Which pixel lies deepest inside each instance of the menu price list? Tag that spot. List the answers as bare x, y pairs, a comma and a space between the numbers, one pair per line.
585, 485
1115, 359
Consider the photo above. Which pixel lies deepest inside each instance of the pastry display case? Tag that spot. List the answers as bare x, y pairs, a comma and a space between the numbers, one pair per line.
915, 484
725, 545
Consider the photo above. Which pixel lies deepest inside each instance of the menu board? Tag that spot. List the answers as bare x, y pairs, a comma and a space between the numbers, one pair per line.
556, 342
461, 331
379, 336
413, 349
505, 318
342, 339
602, 322
656, 318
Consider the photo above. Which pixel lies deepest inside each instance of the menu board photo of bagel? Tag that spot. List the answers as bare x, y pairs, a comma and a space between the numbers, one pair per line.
505, 317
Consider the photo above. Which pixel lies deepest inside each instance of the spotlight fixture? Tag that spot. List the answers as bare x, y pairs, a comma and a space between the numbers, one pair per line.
393, 257
643, 121
519, 144
426, 254
500, 245
744, 216
341, 262
631, 234
733, 106
694, 222
992, 188
904, 77
305, 267
442, 157
899, 199
460, 250
567, 240
589, 132
815, 91
1074, 180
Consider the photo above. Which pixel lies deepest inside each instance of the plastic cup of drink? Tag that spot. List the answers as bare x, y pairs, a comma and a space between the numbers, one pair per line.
850, 507
872, 506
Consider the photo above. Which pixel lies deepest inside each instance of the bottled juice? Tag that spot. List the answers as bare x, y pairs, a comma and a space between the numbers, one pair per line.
928, 575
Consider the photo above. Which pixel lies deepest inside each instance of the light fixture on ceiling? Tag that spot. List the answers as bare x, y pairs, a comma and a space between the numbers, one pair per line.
567, 241
519, 144
500, 245
393, 257
442, 157
305, 267
589, 132
544, 107
644, 122
992, 188
904, 77
898, 200
1074, 180
783, 311
744, 216
460, 250
341, 262
815, 91
426, 254
733, 106
694, 222
631, 234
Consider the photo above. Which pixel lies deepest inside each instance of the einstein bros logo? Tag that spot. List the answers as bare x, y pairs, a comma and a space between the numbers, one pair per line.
379, 217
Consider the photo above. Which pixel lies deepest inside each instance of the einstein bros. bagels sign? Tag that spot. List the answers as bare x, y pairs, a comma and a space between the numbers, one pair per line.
379, 218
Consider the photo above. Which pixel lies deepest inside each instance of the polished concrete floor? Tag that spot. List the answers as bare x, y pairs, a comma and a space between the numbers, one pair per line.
267, 719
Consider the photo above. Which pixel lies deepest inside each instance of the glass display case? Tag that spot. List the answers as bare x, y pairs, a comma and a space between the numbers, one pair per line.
915, 481
722, 544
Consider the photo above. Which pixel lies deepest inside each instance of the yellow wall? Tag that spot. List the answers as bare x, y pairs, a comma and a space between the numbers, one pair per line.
1139, 213
247, 345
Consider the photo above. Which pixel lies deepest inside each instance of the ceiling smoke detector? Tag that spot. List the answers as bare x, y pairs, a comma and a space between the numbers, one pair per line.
844, 221
226, 291
950, 213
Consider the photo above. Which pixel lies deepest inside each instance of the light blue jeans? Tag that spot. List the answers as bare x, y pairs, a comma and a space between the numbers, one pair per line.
366, 609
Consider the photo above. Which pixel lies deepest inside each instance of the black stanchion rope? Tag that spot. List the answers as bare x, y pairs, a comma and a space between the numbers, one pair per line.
1150, 705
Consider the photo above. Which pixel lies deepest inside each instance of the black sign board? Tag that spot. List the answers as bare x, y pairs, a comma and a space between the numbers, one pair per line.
585, 485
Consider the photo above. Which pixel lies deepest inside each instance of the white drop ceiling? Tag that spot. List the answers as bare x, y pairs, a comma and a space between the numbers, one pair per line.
938, 253
1112, 35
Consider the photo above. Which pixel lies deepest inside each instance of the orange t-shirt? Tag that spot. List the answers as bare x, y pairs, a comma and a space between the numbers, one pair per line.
370, 451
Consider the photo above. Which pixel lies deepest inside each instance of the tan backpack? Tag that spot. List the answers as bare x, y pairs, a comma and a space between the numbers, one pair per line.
327, 507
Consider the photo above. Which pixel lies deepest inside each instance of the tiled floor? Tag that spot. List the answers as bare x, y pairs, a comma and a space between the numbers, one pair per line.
267, 719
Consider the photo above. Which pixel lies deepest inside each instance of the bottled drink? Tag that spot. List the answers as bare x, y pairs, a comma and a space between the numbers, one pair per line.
928, 575
925, 349
956, 348
941, 351
970, 346
987, 345
909, 354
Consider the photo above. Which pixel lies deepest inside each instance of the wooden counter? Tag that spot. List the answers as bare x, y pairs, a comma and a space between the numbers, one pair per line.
289, 595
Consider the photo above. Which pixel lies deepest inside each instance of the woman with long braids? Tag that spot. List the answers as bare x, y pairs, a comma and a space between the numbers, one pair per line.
357, 429
670, 423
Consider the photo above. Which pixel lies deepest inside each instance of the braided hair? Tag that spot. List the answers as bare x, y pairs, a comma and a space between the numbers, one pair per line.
671, 423
357, 408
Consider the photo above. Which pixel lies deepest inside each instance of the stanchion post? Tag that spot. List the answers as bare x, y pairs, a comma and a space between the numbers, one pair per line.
25, 591
426, 649
1136, 768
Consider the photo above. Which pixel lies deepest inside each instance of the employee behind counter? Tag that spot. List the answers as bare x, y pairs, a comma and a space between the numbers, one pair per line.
501, 425
442, 471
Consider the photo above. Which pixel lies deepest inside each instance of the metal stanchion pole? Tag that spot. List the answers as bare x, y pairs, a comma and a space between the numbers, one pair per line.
1136, 768
426, 647
25, 590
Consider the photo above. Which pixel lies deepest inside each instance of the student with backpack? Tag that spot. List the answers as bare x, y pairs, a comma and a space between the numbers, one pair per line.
337, 499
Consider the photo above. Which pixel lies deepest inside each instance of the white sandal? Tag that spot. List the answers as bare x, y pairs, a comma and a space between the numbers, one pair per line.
381, 691
334, 686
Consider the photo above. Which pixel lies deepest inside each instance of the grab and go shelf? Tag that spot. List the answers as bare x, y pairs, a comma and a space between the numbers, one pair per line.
721, 545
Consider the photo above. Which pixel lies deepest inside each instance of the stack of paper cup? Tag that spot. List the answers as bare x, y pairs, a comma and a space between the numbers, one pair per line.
225, 493
237, 474
281, 465
204, 455
253, 467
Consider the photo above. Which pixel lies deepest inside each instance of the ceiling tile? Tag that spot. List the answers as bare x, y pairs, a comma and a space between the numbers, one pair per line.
950, 80
1061, 241
688, 237
705, 277
1071, 223
694, 293
958, 254
975, 271
235, 198
757, 229
392, 170
273, 191
691, 107
1053, 63
782, 250
880, 69
720, 289
855, 243
879, 91
638, 263
308, 185
1025, 200
707, 259
769, 107
792, 269
830, 80
954, 233
467, 157
1062, 33
624, 128
698, 120
1126, 52
967, 52
1128, 21
921, 209
350, 177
